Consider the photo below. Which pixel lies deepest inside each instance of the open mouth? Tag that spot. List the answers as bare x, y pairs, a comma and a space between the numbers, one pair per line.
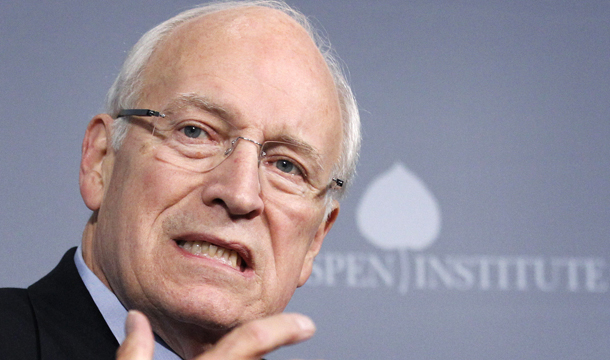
223, 255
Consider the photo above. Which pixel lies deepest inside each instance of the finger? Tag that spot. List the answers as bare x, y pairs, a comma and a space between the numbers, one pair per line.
139, 343
254, 339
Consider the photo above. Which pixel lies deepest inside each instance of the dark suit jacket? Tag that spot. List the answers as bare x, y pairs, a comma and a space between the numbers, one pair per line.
55, 318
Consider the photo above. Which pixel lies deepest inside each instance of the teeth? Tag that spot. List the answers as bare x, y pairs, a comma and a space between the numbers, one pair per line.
196, 248
234, 259
203, 248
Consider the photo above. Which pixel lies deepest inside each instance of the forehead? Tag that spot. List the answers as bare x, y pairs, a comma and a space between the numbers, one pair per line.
258, 46
256, 64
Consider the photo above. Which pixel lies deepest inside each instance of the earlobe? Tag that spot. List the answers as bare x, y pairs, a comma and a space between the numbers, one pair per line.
96, 158
316, 244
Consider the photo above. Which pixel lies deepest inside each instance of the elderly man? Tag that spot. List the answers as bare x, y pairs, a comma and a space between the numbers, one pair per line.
213, 179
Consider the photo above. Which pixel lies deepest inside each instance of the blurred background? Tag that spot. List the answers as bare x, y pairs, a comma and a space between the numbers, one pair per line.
477, 227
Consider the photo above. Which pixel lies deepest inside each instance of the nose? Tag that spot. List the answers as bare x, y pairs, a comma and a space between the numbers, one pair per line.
234, 183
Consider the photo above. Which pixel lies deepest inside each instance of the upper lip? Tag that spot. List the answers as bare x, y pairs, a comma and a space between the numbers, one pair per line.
242, 250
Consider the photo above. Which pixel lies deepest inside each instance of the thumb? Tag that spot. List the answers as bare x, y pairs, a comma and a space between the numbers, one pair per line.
139, 343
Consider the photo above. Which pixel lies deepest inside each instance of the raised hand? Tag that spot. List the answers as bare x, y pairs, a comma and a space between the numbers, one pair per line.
250, 341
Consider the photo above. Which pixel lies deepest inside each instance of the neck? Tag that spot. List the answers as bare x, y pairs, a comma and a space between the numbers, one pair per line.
88, 249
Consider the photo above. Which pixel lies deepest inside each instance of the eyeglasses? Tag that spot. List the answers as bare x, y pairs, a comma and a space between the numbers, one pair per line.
201, 144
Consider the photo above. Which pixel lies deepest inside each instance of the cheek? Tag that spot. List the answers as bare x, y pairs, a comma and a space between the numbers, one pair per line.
128, 222
151, 187
292, 232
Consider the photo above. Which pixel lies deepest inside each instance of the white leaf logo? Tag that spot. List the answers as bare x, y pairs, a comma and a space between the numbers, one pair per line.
398, 212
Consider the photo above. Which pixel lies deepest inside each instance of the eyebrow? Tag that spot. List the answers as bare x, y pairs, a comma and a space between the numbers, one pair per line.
202, 103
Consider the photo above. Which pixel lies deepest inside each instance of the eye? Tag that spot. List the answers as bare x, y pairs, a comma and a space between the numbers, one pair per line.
194, 132
287, 167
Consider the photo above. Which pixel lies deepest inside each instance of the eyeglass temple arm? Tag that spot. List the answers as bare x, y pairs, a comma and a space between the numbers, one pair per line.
139, 112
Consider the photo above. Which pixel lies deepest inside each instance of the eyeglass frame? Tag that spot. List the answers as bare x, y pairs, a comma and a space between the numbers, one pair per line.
153, 113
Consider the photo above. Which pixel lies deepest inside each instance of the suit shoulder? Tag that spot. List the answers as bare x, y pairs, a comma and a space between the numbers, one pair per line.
18, 335
15, 307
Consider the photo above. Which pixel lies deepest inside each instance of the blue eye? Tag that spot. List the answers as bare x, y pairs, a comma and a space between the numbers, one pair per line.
287, 167
192, 131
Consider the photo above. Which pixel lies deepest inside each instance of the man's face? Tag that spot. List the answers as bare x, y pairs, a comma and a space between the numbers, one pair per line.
271, 83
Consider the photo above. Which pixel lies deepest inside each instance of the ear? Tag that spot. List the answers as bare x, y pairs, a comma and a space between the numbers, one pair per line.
316, 244
96, 161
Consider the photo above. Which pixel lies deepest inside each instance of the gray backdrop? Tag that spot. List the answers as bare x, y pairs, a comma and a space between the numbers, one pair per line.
478, 224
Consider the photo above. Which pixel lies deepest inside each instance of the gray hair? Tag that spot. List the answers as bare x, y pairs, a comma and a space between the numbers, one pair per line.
126, 89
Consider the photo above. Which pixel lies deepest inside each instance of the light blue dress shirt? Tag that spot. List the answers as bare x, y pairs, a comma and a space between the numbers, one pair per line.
111, 308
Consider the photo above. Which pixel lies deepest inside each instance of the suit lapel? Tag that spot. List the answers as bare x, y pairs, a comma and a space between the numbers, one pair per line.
70, 325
